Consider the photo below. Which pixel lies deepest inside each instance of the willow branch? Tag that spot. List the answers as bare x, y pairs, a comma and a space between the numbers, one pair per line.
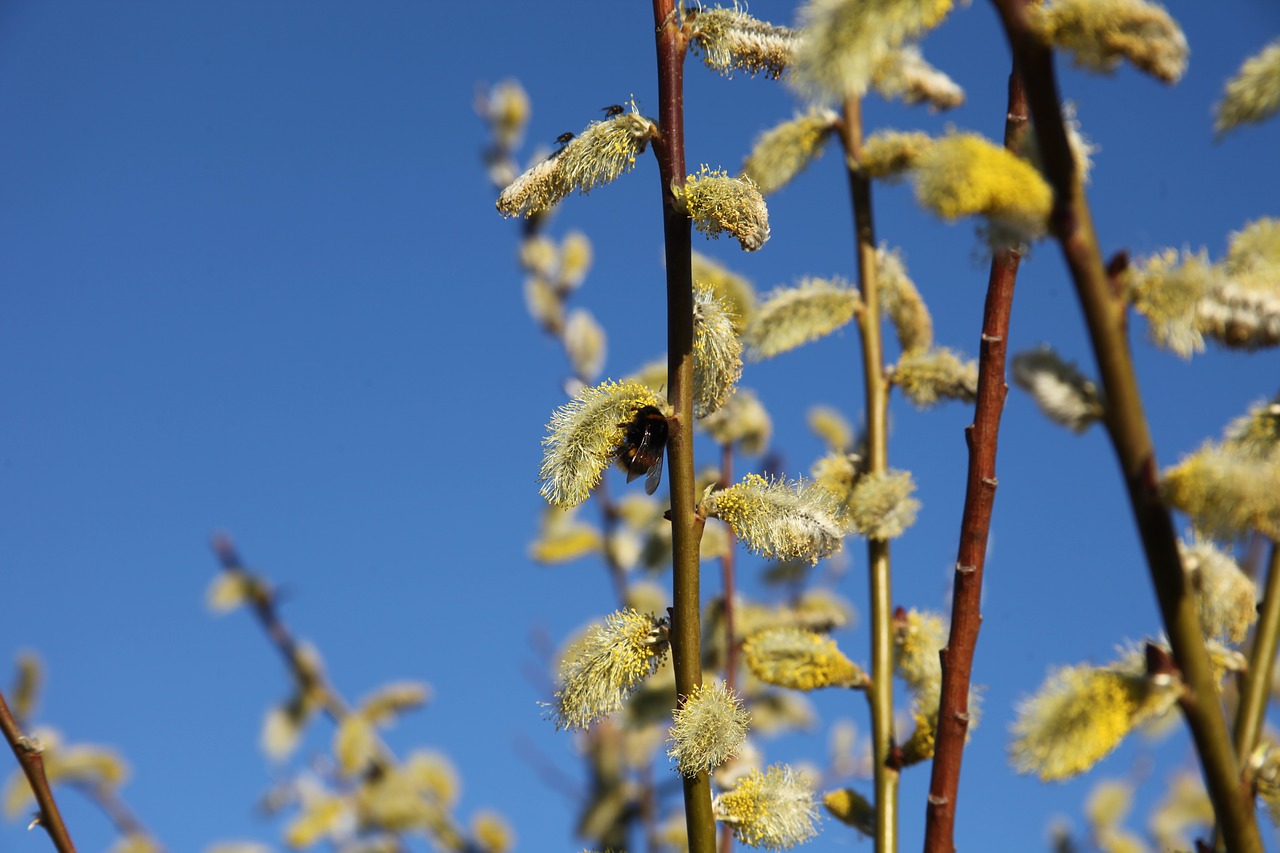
31, 760
1257, 681
310, 679
975, 524
118, 812
880, 692
728, 588
686, 525
1072, 225
728, 582
263, 602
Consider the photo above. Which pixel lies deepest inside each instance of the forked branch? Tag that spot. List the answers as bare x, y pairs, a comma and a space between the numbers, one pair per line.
1130, 436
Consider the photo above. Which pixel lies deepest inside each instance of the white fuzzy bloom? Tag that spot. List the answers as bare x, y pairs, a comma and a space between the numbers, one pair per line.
1059, 389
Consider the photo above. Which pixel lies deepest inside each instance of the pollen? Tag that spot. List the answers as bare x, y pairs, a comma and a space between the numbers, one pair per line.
889, 154
780, 519
965, 175
709, 728
844, 42
1101, 33
801, 660
1253, 95
603, 668
597, 156
774, 810
583, 437
730, 39
783, 152
881, 506
792, 316
719, 204
931, 375
717, 352
1079, 716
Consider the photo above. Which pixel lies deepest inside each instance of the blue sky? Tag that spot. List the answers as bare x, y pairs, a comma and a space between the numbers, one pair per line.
252, 280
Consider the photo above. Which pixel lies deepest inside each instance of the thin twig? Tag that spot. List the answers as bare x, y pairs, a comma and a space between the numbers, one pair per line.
1072, 224
727, 566
263, 601
727, 586
1257, 681
686, 525
108, 799
311, 680
31, 760
975, 524
880, 692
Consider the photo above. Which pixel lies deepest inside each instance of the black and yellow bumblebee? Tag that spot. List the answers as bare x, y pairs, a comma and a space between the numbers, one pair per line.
642, 447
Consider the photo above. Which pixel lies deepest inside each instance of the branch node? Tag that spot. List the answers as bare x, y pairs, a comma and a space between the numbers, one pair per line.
935, 800
991, 481
992, 339
965, 568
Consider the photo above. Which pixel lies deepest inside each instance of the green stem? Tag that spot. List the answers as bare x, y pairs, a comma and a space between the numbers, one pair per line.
1072, 225
880, 693
727, 585
975, 525
686, 525
1257, 681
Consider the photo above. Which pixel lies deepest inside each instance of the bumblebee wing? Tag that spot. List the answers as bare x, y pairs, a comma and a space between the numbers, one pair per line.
654, 476
637, 454
632, 465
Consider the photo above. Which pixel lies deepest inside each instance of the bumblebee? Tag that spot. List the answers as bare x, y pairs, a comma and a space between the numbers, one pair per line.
642, 447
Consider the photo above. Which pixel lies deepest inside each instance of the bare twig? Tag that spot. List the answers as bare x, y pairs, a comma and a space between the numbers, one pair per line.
31, 760
311, 680
106, 798
263, 601
975, 524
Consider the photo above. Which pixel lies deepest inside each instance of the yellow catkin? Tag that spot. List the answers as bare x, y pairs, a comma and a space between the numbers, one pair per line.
965, 175
1079, 716
800, 659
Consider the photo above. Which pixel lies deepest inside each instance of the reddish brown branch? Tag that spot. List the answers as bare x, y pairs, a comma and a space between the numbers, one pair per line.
975, 525
262, 599
31, 760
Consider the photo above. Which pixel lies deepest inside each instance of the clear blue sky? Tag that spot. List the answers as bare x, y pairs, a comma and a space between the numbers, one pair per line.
252, 280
